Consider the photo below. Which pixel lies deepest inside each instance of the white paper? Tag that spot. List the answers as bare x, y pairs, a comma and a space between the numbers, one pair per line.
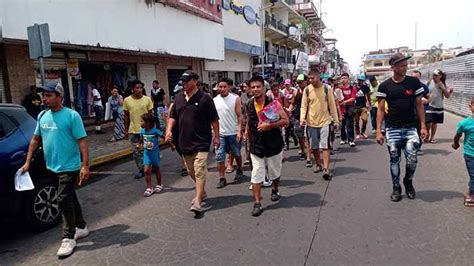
23, 181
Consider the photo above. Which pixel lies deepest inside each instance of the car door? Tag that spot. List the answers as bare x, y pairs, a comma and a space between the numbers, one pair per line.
14, 147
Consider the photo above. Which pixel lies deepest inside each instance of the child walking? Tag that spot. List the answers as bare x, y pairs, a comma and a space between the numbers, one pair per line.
466, 127
151, 152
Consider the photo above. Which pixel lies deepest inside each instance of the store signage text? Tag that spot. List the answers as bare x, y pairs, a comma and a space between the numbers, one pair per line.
246, 11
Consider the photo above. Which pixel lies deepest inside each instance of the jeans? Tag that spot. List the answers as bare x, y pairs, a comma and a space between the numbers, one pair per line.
405, 139
69, 204
470, 170
99, 114
137, 153
373, 119
347, 128
228, 143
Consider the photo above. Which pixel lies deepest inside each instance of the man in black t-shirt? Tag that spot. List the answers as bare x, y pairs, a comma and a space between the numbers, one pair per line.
157, 96
362, 102
194, 113
32, 102
402, 94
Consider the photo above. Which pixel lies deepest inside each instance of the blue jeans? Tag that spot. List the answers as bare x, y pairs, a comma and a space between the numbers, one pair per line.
405, 139
470, 170
347, 128
373, 119
228, 144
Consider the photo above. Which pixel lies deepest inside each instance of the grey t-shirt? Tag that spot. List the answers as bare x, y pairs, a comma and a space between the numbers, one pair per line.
436, 95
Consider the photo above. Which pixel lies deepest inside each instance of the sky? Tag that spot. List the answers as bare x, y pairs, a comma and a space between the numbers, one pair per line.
353, 23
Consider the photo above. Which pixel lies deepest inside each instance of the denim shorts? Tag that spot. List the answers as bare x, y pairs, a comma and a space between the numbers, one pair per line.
230, 144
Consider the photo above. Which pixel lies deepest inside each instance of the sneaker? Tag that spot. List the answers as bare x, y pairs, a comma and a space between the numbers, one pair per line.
357, 136
267, 183
257, 209
343, 142
275, 195
352, 144
67, 247
364, 136
238, 175
222, 183
139, 174
99, 132
396, 195
409, 189
374, 131
308, 163
184, 172
326, 175
247, 162
81, 233
302, 157
317, 168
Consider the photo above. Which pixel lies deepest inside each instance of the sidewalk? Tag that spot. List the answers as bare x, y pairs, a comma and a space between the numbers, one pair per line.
101, 150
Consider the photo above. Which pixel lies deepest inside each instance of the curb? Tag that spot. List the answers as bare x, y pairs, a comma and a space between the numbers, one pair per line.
103, 159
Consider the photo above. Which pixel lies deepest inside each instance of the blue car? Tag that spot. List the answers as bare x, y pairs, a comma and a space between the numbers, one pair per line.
39, 206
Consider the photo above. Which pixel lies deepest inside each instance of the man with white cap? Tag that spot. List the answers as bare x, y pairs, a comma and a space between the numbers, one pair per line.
62, 133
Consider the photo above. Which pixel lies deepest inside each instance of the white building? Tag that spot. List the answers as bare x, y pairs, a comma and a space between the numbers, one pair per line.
110, 42
242, 41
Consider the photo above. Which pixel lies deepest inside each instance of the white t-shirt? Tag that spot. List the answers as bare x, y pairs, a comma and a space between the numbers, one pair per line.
96, 93
225, 107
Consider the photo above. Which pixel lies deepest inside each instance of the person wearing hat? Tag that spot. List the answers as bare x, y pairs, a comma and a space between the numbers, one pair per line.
194, 113
435, 112
134, 106
32, 102
61, 131
362, 103
401, 93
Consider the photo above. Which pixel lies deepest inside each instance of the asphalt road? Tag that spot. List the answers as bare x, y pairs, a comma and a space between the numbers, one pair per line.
347, 221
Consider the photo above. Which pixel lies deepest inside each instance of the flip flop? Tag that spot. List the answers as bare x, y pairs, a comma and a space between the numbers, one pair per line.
228, 170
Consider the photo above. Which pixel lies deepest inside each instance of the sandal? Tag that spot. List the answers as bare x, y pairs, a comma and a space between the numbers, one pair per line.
229, 170
433, 141
204, 196
158, 189
148, 192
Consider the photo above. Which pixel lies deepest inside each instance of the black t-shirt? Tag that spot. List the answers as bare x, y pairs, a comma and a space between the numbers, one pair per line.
158, 95
361, 96
297, 105
32, 103
401, 101
194, 118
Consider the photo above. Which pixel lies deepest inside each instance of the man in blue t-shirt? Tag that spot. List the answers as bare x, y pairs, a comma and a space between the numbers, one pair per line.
62, 133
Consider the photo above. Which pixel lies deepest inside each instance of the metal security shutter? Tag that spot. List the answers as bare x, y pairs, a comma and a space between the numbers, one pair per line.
3, 96
147, 74
52, 63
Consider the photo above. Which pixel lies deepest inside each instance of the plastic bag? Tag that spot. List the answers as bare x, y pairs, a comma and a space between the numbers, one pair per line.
23, 181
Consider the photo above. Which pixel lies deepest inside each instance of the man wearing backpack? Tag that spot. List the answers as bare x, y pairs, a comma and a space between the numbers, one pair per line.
319, 113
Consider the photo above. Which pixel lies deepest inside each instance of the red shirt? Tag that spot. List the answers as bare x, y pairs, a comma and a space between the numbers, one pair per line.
349, 92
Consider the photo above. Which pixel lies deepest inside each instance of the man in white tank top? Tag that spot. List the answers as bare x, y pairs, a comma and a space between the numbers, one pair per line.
229, 109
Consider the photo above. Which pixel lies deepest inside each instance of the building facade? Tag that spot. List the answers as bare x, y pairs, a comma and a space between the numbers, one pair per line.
242, 41
106, 43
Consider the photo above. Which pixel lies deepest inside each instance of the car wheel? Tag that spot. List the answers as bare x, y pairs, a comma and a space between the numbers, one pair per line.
43, 208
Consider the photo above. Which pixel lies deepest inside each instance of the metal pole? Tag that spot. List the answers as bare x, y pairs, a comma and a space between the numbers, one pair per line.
41, 70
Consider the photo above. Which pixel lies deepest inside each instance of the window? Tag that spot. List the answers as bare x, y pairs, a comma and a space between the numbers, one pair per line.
6, 126
239, 77
378, 64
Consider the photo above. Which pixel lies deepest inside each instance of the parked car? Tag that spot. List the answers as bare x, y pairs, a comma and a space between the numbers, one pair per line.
39, 206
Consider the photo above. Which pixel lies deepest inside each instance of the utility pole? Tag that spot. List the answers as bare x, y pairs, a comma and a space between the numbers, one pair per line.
416, 33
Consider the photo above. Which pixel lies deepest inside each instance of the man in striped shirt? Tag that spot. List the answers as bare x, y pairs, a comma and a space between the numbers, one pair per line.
403, 95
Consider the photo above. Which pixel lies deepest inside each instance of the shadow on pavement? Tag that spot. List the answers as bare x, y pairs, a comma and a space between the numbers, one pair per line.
293, 183
301, 200
109, 236
437, 195
224, 202
436, 151
346, 149
364, 143
342, 170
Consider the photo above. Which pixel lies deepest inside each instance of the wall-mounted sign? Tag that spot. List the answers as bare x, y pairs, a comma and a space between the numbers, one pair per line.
249, 14
246, 11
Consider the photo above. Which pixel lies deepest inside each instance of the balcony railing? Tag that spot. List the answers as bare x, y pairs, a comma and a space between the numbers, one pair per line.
271, 21
283, 27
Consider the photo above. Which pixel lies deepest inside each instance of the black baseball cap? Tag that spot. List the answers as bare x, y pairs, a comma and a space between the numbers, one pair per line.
189, 75
397, 58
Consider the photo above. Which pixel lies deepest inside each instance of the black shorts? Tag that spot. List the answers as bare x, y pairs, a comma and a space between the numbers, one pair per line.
435, 115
